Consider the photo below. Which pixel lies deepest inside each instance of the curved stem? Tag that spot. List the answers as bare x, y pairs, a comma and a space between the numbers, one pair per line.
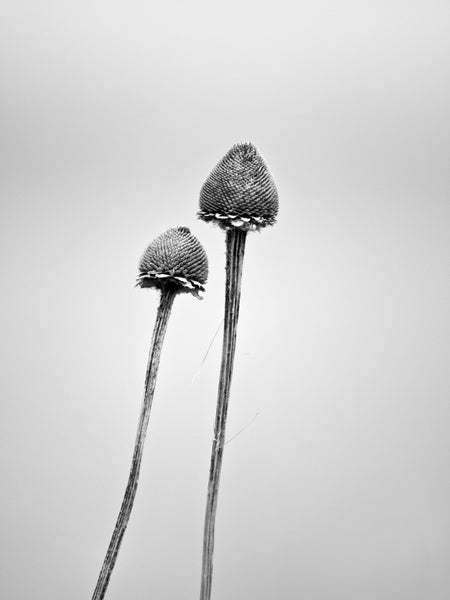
235, 242
164, 309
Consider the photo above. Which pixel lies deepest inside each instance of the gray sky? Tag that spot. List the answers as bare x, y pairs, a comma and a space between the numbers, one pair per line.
113, 114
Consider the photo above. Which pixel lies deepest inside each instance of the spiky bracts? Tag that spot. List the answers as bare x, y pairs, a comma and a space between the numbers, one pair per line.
240, 191
174, 259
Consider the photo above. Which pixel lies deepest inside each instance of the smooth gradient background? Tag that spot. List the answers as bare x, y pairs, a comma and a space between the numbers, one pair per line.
113, 114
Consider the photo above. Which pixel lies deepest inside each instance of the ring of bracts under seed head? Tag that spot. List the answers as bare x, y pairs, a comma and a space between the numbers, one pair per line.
174, 260
240, 191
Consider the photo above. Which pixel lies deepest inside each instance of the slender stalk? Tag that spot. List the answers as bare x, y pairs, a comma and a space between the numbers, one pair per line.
164, 309
235, 244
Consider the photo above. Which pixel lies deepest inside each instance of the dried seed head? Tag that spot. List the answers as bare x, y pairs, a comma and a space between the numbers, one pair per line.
240, 191
174, 259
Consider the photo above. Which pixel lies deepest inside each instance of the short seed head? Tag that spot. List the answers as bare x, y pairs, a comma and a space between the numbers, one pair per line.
240, 191
174, 259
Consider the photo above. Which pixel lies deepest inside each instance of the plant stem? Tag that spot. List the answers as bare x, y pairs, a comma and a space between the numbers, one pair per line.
164, 309
235, 244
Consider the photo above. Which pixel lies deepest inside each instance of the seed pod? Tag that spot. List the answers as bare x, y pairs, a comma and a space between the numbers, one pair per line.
240, 196
240, 191
174, 259
174, 262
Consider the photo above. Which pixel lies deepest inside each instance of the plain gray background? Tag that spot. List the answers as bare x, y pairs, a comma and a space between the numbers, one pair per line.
113, 114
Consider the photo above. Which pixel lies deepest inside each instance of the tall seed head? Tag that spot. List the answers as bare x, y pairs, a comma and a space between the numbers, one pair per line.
174, 259
240, 191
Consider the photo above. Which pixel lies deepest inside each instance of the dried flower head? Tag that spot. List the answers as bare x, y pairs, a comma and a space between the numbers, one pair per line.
176, 259
240, 191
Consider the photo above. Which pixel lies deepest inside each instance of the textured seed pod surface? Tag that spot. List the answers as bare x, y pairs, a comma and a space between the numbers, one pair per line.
174, 258
240, 191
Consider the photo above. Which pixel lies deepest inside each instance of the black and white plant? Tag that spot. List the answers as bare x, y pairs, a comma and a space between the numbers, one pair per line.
239, 196
173, 263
